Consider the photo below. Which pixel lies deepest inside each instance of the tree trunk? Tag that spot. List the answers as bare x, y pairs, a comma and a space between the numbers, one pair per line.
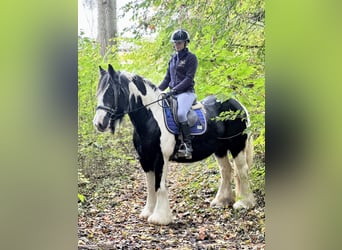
106, 24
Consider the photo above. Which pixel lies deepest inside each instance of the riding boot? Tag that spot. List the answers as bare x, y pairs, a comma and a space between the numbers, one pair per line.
185, 150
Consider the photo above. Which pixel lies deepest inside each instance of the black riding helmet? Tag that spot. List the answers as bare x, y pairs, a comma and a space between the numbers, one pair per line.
180, 36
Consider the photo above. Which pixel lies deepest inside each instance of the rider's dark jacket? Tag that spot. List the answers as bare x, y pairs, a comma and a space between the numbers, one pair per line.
180, 72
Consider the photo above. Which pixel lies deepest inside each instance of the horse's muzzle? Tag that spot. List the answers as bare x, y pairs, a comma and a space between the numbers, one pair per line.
101, 122
100, 127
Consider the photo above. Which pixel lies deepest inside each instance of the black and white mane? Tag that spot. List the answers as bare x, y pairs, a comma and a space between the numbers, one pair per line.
121, 93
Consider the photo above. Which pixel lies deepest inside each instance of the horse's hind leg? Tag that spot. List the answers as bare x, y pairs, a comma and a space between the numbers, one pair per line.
242, 162
224, 196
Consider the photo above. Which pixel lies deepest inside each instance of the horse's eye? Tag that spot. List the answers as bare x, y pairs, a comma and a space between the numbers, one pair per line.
110, 92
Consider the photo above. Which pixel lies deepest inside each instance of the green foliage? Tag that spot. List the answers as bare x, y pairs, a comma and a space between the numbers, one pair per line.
231, 115
227, 38
81, 197
96, 154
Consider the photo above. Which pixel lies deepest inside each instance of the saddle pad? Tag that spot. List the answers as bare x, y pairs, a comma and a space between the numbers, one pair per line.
198, 129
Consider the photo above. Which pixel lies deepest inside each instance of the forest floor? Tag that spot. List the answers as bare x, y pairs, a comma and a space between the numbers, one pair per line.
109, 215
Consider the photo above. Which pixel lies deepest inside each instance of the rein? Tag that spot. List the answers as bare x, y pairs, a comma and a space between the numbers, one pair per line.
113, 114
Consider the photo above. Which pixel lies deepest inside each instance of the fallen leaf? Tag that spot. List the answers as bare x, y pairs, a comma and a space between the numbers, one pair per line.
201, 234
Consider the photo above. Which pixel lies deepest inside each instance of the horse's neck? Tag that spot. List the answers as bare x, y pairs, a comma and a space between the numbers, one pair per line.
151, 95
142, 104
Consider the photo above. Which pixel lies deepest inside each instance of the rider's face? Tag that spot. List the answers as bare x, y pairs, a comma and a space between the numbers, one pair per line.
179, 46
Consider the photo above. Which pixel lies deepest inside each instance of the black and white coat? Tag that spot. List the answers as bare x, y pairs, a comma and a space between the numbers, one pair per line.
123, 93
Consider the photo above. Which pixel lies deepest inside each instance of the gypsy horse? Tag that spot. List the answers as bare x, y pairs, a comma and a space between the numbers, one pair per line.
121, 93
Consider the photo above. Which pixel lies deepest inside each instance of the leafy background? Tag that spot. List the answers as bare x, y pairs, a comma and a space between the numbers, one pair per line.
228, 40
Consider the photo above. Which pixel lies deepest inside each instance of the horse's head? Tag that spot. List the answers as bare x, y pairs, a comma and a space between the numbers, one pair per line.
112, 100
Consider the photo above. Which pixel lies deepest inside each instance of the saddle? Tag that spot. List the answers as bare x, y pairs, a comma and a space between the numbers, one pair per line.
196, 117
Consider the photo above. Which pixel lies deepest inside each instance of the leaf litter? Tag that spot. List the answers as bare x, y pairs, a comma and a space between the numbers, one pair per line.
109, 214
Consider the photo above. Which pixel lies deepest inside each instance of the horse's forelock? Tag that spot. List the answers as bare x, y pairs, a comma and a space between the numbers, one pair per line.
103, 82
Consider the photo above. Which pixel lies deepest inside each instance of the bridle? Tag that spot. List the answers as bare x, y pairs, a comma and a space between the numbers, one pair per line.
113, 113
117, 92
109, 110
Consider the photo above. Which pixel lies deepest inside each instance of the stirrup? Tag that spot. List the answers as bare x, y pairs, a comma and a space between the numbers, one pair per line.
184, 152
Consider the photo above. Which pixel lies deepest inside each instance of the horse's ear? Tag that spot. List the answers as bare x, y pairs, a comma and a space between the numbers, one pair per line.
111, 70
102, 71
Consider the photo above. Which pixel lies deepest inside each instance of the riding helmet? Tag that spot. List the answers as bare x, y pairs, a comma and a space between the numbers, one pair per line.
180, 36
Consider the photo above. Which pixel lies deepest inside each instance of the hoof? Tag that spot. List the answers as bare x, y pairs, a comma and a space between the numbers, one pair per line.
222, 202
145, 214
160, 220
247, 204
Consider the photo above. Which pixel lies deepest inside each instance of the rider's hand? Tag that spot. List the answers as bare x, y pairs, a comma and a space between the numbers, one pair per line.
170, 93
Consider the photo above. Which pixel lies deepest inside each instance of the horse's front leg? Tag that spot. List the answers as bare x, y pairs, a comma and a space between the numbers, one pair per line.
162, 213
151, 195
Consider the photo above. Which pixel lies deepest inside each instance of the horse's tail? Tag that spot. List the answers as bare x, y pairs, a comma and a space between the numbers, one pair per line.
234, 105
239, 125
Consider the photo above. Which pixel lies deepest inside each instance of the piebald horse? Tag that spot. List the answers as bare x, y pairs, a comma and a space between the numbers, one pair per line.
121, 93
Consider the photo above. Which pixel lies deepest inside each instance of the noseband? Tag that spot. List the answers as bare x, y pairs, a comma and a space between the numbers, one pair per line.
112, 111
109, 110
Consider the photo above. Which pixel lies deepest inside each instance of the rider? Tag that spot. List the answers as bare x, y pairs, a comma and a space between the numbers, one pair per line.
180, 79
